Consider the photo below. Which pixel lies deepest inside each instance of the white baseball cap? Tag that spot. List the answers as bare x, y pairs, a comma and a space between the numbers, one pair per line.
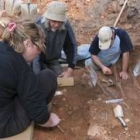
105, 35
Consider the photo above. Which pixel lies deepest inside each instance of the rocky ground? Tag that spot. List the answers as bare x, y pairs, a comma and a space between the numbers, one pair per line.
84, 114
82, 108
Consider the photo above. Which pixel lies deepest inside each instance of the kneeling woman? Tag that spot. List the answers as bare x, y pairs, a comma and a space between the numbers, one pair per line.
23, 95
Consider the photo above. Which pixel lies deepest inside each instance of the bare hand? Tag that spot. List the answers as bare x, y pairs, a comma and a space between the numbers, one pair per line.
52, 122
106, 70
124, 75
68, 73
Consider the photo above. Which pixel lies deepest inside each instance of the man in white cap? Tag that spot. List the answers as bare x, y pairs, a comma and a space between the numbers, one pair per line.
107, 47
59, 36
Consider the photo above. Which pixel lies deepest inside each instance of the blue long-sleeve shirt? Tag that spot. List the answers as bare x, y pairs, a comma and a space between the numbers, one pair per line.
125, 42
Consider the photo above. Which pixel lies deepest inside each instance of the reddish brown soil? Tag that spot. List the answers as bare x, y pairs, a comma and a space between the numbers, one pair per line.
82, 106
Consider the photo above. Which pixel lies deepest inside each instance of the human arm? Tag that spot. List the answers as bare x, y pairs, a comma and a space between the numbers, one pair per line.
94, 50
104, 69
71, 52
35, 103
126, 46
30, 92
70, 49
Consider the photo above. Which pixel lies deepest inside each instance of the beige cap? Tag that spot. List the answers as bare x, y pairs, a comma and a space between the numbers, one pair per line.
105, 35
55, 11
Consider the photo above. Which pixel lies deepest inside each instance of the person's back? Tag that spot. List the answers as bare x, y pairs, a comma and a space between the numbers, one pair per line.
23, 95
10, 111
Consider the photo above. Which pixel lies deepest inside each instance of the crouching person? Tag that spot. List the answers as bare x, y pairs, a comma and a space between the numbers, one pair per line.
23, 95
107, 47
59, 36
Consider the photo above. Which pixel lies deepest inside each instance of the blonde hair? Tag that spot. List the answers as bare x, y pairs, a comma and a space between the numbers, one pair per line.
24, 30
3, 23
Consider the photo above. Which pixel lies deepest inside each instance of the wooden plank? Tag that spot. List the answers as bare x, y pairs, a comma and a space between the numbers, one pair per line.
26, 135
65, 81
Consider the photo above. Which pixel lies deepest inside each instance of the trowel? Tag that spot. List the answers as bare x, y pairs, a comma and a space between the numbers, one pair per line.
118, 112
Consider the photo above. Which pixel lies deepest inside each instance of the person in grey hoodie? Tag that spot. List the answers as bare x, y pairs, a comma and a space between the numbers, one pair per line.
59, 36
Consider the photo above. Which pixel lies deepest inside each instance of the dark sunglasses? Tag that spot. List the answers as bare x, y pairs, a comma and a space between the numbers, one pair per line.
35, 44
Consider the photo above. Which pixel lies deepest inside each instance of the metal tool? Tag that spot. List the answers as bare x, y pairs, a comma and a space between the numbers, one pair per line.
114, 101
61, 130
118, 112
93, 74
